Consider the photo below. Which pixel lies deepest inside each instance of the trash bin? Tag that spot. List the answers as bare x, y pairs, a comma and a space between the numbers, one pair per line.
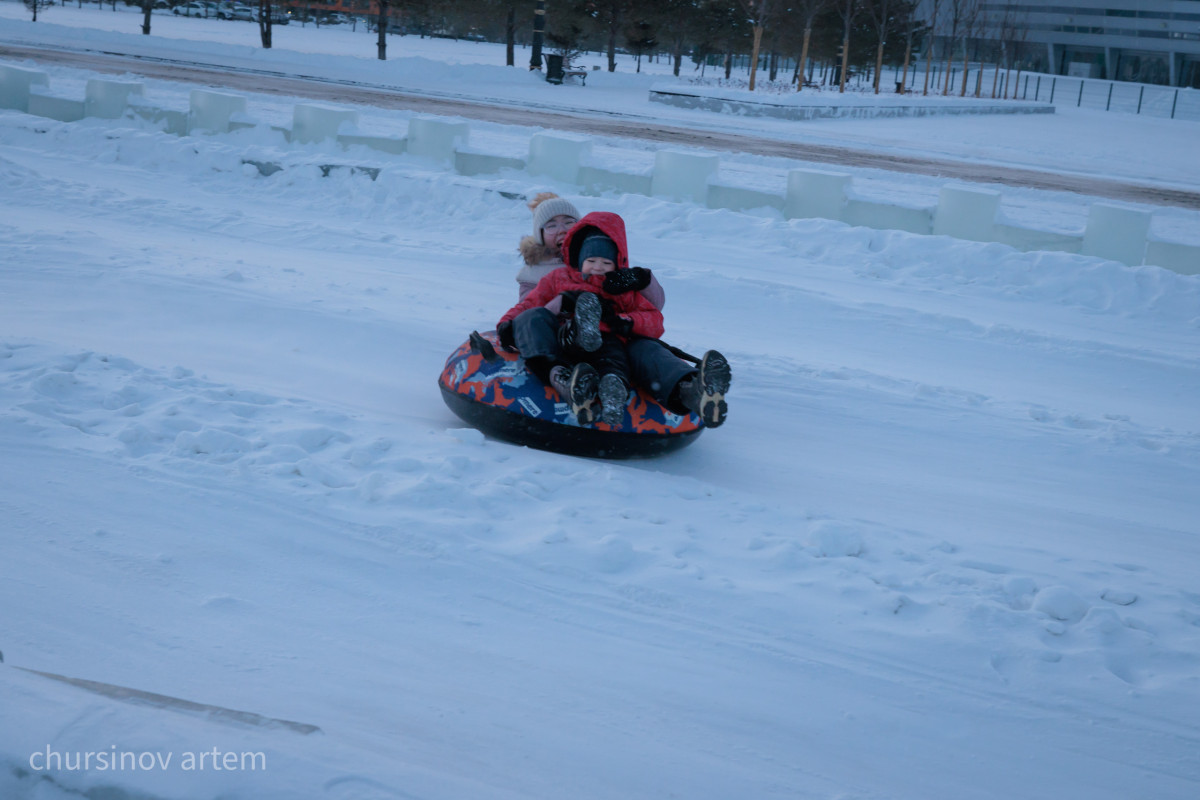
899, 87
554, 68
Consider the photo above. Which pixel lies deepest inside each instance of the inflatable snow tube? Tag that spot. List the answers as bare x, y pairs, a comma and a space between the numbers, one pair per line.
495, 393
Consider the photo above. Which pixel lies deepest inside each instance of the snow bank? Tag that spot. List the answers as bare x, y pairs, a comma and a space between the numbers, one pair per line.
828, 105
684, 176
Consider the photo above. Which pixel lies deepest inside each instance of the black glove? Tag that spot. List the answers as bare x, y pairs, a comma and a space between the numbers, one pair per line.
620, 281
616, 323
504, 331
568, 301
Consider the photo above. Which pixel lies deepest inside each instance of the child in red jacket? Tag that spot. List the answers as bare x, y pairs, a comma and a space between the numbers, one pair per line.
584, 358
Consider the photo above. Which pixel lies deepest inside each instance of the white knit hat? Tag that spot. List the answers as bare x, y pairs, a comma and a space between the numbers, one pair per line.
547, 210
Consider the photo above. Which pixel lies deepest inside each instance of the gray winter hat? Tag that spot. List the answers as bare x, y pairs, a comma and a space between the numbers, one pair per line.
597, 245
549, 209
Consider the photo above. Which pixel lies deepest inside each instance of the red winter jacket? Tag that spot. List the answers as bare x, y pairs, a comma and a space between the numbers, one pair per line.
647, 320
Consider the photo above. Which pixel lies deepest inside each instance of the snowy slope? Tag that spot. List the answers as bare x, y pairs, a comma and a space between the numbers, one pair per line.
945, 547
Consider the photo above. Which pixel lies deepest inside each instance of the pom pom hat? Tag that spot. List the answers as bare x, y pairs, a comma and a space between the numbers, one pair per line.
545, 208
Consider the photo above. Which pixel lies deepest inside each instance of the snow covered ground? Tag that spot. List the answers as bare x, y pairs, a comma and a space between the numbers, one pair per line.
1078, 142
945, 547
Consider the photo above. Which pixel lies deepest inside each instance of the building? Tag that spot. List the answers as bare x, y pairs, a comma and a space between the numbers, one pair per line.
1149, 41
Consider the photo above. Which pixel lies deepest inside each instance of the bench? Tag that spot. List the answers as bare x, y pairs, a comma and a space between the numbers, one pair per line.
558, 70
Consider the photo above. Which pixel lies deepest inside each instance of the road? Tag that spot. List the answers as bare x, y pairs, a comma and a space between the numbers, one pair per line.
631, 127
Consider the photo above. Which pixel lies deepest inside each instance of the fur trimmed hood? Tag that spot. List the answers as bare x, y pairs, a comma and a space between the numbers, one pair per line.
534, 252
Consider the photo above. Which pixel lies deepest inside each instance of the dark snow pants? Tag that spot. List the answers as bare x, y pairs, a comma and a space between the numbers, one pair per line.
535, 332
657, 370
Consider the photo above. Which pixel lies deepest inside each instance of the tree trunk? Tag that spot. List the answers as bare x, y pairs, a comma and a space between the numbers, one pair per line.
728, 63
845, 62
382, 25
264, 23
845, 45
804, 55
510, 31
758, 32
147, 5
949, 61
966, 64
928, 59
613, 24
878, 64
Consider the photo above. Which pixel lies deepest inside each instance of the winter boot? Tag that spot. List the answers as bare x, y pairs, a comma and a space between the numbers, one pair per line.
613, 397
582, 393
704, 393
583, 331
560, 379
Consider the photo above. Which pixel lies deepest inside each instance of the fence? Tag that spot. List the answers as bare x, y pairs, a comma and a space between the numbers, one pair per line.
1129, 98
1060, 90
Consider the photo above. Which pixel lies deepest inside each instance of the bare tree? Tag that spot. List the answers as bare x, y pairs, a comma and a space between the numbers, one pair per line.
935, 7
970, 24
37, 5
997, 24
879, 12
1014, 42
808, 10
957, 11
910, 29
847, 9
759, 12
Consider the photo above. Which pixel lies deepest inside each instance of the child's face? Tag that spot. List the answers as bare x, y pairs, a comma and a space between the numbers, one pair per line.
597, 266
556, 229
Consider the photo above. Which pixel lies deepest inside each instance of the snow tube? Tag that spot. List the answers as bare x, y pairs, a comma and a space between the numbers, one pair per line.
490, 389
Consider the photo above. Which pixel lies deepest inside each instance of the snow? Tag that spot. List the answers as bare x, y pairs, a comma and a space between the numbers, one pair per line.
944, 547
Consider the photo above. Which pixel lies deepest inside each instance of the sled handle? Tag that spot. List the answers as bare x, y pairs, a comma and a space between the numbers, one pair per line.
483, 347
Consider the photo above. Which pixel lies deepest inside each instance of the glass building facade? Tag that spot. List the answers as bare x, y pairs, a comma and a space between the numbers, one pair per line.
1149, 41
